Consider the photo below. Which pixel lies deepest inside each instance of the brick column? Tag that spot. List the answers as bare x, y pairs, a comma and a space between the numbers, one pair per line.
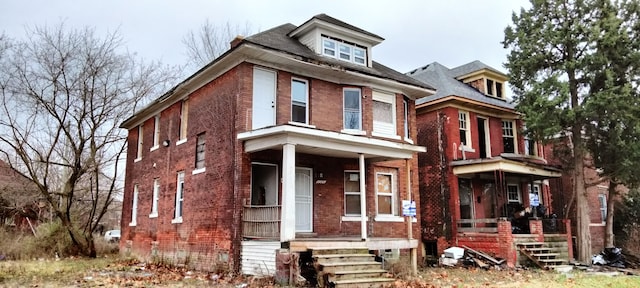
567, 227
535, 226
505, 240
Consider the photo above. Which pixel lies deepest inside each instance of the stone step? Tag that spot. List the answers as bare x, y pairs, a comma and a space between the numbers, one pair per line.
357, 274
531, 244
545, 255
339, 251
362, 283
332, 268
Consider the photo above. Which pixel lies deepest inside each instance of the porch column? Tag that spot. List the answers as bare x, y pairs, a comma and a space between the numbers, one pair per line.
363, 201
288, 212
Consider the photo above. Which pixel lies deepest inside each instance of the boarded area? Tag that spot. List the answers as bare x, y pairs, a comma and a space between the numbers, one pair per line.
259, 257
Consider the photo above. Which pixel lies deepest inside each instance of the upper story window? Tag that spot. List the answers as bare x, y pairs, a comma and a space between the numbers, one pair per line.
200, 152
352, 109
156, 132
405, 107
465, 134
140, 135
508, 137
384, 116
344, 50
184, 117
494, 88
530, 147
299, 100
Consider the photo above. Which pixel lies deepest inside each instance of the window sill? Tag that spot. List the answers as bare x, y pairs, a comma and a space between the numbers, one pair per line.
137, 159
132, 224
153, 215
467, 149
389, 218
198, 171
353, 132
154, 148
597, 224
353, 218
181, 141
301, 124
383, 135
408, 140
176, 221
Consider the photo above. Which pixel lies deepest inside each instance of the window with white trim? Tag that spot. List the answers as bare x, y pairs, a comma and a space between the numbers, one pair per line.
465, 134
179, 196
352, 109
384, 113
155, 198
535, 194
602, 199
299, 100
184, 118
405, 106
344, 50
513, 193
494, 88
530, 147
134, 206
385, 194
140, 138
508, 136
156, 132
200, 151
352, 193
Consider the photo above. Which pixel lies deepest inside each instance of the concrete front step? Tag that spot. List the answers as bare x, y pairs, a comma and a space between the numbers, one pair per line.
332, 268
357, 274
362, 283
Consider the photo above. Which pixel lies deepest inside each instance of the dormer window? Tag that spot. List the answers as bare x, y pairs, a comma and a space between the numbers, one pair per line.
494, 88
343, 50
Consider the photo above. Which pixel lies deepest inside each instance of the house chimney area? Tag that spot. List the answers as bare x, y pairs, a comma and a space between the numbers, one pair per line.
236, 41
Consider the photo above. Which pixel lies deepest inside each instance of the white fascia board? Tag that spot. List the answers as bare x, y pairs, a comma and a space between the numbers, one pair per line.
506, 167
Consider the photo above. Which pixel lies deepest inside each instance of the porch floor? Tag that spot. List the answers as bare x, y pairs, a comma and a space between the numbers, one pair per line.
301, 244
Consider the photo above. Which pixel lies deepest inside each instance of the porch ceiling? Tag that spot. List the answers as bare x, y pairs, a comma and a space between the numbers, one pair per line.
475, 166
326, 143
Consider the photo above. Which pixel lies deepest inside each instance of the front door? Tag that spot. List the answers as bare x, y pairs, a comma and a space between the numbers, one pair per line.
264, 98
304, 200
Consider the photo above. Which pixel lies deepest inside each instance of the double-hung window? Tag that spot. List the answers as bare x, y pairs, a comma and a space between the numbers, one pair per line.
530, 147
405, 107
385, 191
352, 193
200, 153
602, 199
184, 119
155, 198
384, 116
352, 109
299, 101
140, 135
513, 193
508, 137
156, 132
179, 198
344, 50
465, 134
134, 206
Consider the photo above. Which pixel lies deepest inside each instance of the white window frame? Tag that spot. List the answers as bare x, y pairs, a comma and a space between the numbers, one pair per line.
359, 59
134, 207
602, 201
140, 143
344, 110
509, 199
383, 128
537, 186
334, 49
393, 194
464, 123
306, 100
179, 203
337, 52
351, 193
184, 121
514, 135
197, 170
494, 88
527, 143
155, 198
156, 133
407, 133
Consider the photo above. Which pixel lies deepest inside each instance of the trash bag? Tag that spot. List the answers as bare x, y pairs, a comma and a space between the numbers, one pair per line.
598, 260
614, 257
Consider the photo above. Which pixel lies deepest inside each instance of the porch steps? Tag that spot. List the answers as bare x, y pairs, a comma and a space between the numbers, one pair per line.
543, 254
348, 267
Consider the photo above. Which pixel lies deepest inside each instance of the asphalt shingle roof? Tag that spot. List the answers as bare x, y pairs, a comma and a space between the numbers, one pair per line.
446, 84
472, 67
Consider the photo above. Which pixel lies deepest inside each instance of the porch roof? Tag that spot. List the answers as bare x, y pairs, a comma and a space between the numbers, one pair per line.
326, 143
519, 166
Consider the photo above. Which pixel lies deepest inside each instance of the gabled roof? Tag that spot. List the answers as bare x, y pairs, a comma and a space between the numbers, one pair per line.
473, 67
334, 21
444, 80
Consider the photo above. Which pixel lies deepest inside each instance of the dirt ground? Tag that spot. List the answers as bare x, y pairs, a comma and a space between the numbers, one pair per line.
114, 272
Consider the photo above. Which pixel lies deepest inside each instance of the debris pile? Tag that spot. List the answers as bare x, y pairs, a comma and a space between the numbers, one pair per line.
611, 257
467, 257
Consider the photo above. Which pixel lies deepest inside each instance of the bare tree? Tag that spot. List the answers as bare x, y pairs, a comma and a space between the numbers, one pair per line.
210, 41
64, 93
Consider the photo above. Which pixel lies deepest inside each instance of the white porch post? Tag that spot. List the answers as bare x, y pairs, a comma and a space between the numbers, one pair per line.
288, 212
363, 200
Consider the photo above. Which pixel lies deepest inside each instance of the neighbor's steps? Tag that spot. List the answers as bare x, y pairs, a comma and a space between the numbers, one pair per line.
348, 267
543, 254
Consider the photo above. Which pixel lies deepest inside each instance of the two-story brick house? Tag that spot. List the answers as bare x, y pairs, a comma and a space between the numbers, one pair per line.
294, 138
479, 175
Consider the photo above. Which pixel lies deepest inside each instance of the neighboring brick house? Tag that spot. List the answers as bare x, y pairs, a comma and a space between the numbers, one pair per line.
479, 170
294, 138
21, 205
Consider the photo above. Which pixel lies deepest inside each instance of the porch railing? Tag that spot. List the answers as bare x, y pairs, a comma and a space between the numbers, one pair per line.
261, 221
488, 225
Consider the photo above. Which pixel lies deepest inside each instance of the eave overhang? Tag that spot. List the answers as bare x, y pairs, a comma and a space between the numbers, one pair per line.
466, 103
326, 143
489, 165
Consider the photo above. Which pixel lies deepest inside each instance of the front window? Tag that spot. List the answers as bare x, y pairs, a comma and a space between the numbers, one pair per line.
384, 113
513, 193
134, 206
530, 147
352, 193
200, 151
602, 199
179, 197
352, 109
465, 136
508, 137
385, 191
156, 197
299, 100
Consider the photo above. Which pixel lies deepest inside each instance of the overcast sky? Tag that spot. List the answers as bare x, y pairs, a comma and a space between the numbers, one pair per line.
416, 32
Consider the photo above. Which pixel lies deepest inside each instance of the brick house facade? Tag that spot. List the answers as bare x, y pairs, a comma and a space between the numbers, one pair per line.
294, 138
